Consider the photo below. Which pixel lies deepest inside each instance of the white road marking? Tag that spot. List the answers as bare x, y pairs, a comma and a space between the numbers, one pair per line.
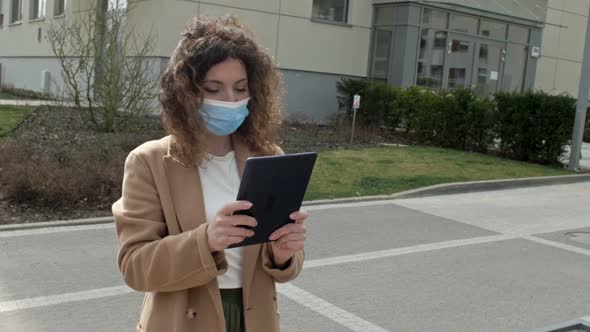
327, 309
42, 301
403, 251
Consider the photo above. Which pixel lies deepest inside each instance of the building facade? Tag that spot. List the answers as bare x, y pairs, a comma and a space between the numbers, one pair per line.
487, 45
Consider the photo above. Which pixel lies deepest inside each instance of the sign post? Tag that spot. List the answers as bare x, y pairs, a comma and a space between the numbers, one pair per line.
356, 104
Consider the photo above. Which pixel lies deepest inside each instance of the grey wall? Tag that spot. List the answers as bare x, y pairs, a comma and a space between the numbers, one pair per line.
310, 96
26, 72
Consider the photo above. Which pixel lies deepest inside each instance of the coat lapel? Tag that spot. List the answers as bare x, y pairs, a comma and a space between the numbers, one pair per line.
186, 192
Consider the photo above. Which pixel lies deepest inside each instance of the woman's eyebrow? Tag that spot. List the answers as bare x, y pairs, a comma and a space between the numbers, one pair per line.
220, 82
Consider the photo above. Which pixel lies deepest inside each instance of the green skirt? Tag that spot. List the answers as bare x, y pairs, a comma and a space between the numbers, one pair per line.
233, 309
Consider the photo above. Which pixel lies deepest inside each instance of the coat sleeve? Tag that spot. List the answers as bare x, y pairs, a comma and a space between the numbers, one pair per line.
149, 259
281, 275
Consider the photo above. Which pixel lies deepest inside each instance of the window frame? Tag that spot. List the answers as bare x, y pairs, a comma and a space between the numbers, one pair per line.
336, 22
19, 18
56, 4
41, 10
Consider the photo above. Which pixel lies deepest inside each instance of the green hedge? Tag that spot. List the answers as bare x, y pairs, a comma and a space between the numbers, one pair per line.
530, 126
534, 126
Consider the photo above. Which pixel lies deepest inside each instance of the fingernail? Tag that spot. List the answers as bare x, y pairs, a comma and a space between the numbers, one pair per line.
248, 204
272, 237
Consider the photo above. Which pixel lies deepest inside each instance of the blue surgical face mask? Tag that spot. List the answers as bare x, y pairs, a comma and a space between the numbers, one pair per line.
224, 118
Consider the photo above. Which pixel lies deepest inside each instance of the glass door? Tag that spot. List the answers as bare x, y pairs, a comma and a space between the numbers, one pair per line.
488, 72
459, 64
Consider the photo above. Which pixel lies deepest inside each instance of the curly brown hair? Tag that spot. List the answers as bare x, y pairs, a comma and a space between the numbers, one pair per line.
205, 42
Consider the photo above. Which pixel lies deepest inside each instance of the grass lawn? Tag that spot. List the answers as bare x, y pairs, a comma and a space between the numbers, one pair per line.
382, 171
10, 116
4, 95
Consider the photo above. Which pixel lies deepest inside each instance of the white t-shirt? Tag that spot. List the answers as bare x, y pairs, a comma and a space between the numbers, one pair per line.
220, 183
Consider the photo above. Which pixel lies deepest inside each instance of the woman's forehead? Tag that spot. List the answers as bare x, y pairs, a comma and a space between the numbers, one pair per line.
230, 70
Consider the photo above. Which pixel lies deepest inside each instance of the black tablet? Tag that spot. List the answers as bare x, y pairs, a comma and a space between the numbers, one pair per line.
275, 185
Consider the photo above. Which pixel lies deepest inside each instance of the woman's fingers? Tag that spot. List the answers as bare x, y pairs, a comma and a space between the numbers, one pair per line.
299, 216
237, 220
289, 228
291, 237
231, 207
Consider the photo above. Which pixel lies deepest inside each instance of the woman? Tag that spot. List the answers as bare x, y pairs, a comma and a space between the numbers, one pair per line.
220, 102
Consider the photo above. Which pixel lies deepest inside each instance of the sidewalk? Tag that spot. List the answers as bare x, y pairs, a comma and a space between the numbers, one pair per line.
24, 102
584, 162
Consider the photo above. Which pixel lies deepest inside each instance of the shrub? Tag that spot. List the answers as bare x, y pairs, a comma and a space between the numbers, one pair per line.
346, 89
456, 119
64, 178
534, 126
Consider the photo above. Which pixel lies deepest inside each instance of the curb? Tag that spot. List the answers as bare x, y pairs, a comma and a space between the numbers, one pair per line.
58, 223
436, 190
462, 188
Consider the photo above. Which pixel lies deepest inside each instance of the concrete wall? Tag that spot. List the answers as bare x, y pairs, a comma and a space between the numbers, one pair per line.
283, 27
312, 55
560, 65
310, 96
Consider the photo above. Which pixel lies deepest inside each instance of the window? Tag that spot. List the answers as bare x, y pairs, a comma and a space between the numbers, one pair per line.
465, 24
434, 18
381, 52
16, 11
515, 67
117, 4
330, 10
60, 7
431, 58
494, 30
37, 9
384, 15
460, 46
518, 34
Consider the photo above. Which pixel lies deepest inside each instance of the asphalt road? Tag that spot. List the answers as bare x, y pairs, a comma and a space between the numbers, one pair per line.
511, 260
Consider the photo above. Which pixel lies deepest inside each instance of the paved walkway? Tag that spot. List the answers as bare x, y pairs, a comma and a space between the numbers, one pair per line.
512, 260
18, 102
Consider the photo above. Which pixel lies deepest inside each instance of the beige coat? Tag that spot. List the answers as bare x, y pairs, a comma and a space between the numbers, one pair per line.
160, 222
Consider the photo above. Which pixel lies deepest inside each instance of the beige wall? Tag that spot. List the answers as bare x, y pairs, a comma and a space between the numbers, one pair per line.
20, 39
560, 65
284, 28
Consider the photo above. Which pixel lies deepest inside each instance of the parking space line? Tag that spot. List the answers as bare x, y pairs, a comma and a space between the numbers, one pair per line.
43, 301
327, 309
405, 250
557, 244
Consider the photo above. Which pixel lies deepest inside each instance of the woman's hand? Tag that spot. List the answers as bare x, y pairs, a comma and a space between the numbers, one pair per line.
225, 231
288, 239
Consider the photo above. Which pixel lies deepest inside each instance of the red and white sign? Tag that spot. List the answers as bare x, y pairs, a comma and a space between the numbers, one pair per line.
356, 102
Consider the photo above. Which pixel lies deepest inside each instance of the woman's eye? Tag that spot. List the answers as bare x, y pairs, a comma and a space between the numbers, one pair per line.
242, 90
211, 90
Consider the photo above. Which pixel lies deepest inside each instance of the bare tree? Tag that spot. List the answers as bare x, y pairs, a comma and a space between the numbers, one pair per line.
105, 65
